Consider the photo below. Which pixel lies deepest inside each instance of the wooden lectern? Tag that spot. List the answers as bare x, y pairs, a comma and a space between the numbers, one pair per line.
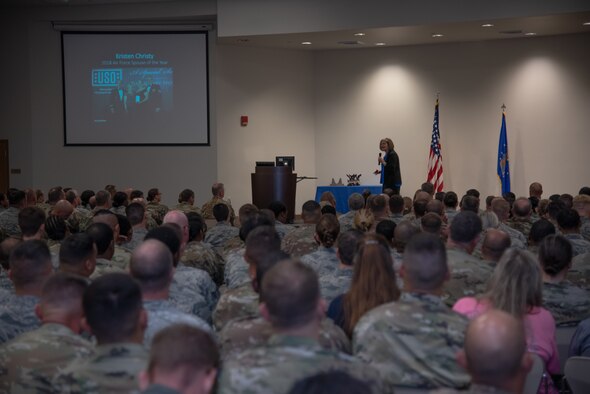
274, 183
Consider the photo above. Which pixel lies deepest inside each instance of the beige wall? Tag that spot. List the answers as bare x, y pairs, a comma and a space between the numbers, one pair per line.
364, 95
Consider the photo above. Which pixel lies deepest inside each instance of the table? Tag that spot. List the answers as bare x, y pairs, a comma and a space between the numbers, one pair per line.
341, 193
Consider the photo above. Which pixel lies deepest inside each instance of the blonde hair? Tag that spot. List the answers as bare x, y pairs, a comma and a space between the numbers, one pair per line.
389, 142
363, 220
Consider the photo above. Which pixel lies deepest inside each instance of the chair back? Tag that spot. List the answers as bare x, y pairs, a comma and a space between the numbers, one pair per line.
577, 374
563, 337
533, 379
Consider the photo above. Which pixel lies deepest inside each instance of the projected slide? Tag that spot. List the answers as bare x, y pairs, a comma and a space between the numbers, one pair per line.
135, 88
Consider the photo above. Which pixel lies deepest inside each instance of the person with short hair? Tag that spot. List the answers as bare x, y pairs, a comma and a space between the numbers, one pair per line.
218, 192
183, 359
102, 235
34, 358
186, 202
468, 274
154, 206
568, 304
402, 234
494, 245
301, 241
114, 314
279, 210
291, 302
539, 230
495, 353
521, 216
222, 231
569, 223
396, 208
469, 203
379, 206
31, 221
120, 256
9, 217
536, 190
102, 200
432, 223
355, 202
451, 201
137, 216
412, 342
501, 208
77, 255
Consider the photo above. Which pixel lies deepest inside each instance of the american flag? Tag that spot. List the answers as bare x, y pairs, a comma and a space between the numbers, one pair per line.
435, 165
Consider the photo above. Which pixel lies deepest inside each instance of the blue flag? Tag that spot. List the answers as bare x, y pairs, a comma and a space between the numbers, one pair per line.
503, 163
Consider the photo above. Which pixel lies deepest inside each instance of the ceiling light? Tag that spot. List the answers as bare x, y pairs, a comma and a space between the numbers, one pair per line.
586, 24
530, 34
359, 34
487, 25
306, 43
379, 44
437, 35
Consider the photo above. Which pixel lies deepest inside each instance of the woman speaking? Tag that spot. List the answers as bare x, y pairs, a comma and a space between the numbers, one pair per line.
390, 173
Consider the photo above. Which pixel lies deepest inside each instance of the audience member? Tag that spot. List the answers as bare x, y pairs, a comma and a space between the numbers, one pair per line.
280, 213
521, 216
9, 217
355, 202
77, 255
396, 208
569, 225
501, 208
154, 207
222, 231
494, 245
199, 254
324, 259
218, 191
301, 240
186, 202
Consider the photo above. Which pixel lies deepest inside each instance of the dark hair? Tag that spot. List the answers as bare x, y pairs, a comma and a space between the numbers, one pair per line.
71, 196
220, 212
166, 235
30, 220
396, 203
328, 209
63, 289
385, 228
76, 249
255, 220
85, 196
585, 190
425, 261
431, 223
196, 224
420, 207
347, 243
555, 254
185, 195
378, 204
440, 196
554, 208
277, 207
120, 199
29, 263
135, 194
102, 234
473, 192
331, 382
568, 219
124, 225
135, 213
102, 197
152, 193
567, 199
470, 203
15, 196
56, 228
427, 187
327, 230
112, 304
465, 227
264, 264
54, 194
540, 229
261, 241
534, 201
451, 199
310, 208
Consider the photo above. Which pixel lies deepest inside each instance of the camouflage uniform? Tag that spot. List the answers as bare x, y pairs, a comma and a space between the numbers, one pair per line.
34, 358
162, 313
335, 283
202, 256
121, 258
412, 342
45, 207
193, 291
579, 244
186, 208
475, 388
232, 245
585, 227
300, 241
323, 261
120, 210
521, 224
283, 229
234, 303
113, 369
567, 303
517, 239
207, 208
579, 273
220, 233
236, 270
54, 247
157, 211
9, 221
451, 213
346, 221
284, 360
136, 239
469, 275
104, 266
17, 315
5, 282
79, 220
248, 332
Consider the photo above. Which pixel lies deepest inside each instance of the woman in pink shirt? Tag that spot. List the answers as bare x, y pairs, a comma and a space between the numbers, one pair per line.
516, 287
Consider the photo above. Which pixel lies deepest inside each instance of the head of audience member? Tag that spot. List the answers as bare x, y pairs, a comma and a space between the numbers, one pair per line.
567, 199
254, 221
31, 221
56, 228
327, 230
379, 207
179, 218
451, 200
125, 229
311, 212
85, 197
396, 204
422, 195
152, 267
246, 211
489, 200
170, 235
186, 196
102, 199
182, 358
428, 187
585, 190
489, 220
346, 247
539, 230
110, 219
510, 197
437, 207
373, 280
291, 300
113, 310
218, 190
431, 223
355, 202
516, 286
465, 230
403, 232
30, 267
39, 196
328, 209
494, 245
61, 301
62, 209
77, 255
196, 227
534, 204
331, 382
111, 189
328, 198
554, 197
440, 196
469, 203
120, 199
279, 209
495, 352
568, 221
536, 190
102, 235
521, 208
55, 194
553, 209
555, 256
473, 192
386, 228
363, 220
501, 208
424, 267
388, 191
136, 215
17, 198
221, 213
408, 202
72, 197
542, 208
260, 242
135, 193
582, 205
154, 195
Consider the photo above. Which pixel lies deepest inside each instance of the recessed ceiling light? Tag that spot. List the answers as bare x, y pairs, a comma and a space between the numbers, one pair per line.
586, 24
380, 44
359, 34
437, 35
530, 34
306, 43
487, 25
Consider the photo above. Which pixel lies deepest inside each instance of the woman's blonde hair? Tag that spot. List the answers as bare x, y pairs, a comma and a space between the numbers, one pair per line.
363, 220
389, 143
